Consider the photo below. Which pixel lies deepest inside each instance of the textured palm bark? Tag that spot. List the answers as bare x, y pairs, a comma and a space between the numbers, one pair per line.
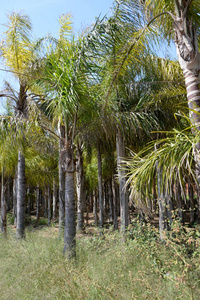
15, 198
20, 196
115, 220
37, 201
70, 207
189, 58
46, 202
61, 130
101, 216
122, 181
29, 201
3, 206
70, 216
110, 195
95, 208
8, 197
80, 190
54, 199
161, 206
49, 205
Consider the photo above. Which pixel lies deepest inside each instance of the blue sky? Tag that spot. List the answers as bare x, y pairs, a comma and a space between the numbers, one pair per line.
44, 15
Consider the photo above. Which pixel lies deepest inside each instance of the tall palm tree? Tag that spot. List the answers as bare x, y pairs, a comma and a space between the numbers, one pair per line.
17, 52
66, 94
125, 81
183, 18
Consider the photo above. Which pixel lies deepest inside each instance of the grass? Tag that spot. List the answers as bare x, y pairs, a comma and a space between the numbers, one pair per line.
106, 267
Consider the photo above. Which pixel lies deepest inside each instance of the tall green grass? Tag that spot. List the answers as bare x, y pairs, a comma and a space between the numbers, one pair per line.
106, 267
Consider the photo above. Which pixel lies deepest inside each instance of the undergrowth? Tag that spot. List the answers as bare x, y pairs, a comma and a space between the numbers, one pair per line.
106, 266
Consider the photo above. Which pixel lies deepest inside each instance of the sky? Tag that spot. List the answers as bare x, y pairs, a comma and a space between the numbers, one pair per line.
45, 14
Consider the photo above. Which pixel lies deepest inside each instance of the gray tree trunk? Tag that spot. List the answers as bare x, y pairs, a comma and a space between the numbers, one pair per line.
120, 145
70, 214
115, 221
61, 130
80, 190
189, 58
54, 199
95, 208
161, 205
20, 196
29, 201
15, 198
37, 201
49, 204
101, 217
110, 201
46, 202
3, 206
9, 194
70, 208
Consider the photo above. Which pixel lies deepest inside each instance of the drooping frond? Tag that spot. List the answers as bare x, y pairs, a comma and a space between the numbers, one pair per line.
174, 155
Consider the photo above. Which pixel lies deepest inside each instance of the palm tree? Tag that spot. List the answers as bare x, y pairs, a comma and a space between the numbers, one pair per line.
17, 52
183, 18
125, 82
64, 79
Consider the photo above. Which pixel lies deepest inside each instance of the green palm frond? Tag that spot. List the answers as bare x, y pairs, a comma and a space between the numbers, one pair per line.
66, 28
174, 155
16, 46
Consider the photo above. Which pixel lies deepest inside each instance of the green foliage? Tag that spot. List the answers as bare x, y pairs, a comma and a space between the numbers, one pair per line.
105, 268
174, 155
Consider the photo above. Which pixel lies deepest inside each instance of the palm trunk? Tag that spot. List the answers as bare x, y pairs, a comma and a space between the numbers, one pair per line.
49, 204
110, 201
37, 201
70, 207
70, 215
9, 195
115, 221
61, 130
15, 198
122, 181
80, 190
29, 201
46, 202
189, 59
3, 206
54, 200
101, 219
95, 208
20, 196
161, 205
